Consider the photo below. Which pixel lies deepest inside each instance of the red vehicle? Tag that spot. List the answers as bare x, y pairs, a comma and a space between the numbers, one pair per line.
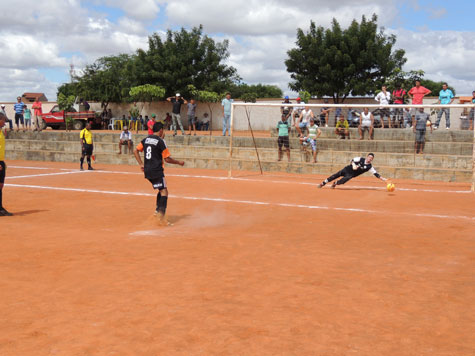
56, 118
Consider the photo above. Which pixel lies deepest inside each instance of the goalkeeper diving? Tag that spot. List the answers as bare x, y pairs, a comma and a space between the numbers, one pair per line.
358, 166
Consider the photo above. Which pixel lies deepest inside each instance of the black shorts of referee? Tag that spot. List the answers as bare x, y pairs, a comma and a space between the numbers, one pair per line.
87, 149
3, 172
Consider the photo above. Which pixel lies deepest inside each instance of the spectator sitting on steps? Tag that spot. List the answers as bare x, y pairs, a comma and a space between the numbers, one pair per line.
125, 139
342, 128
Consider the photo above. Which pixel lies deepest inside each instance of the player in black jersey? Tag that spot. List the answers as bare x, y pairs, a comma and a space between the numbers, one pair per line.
358, 166
156, 154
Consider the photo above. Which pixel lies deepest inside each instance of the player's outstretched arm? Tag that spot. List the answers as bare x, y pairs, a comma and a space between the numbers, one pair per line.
174, 161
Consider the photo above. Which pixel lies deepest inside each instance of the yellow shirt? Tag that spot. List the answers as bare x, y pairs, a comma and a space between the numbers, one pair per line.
86, 135
2, 145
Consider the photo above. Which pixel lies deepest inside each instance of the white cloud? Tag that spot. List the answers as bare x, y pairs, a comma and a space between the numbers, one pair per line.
18, 81
255, 17
443, 55
35, 35
138, 10
24, 51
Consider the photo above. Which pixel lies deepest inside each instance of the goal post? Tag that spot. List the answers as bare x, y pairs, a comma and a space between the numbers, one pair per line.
239, 120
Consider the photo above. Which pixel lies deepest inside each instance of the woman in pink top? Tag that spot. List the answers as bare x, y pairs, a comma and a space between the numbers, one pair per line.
417, 93
38, 112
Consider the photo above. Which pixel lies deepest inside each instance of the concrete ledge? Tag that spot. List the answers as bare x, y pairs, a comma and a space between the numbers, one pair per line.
436, 174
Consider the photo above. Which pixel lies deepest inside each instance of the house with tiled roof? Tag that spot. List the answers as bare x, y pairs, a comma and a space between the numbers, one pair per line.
31, 97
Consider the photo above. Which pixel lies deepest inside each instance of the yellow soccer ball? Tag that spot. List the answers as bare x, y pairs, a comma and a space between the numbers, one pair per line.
391, 187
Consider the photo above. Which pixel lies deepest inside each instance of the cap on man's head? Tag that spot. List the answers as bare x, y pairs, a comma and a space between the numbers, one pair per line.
286, 97
125, 127
153, 115
3, 105
298, 99
177, 94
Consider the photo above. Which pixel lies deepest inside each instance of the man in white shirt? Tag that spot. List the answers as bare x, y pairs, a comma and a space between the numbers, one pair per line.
125, 139
383, 98
304, 120
298, 110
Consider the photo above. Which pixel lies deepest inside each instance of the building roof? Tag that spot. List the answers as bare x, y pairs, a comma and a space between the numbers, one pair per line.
33, 96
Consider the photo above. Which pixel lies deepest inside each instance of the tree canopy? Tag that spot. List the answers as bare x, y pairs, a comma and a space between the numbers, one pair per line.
184, 58
340, 62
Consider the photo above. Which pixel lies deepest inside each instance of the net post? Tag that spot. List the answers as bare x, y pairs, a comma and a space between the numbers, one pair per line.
253, 139
231, 124
473, 154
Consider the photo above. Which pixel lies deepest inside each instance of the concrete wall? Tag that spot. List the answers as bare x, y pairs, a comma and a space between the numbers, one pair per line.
262, 118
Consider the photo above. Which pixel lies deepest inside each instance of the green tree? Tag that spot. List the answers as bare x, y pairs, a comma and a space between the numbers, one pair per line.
339, 62
259, 90
305, 96
184, 58
249, 97
66, 103
108, 79
145, 93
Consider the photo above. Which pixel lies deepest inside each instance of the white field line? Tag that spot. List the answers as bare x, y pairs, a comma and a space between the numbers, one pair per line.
44, 175
286, 182
248, 202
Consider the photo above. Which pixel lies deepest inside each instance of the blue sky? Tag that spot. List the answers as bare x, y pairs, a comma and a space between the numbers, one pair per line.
436, 15
40, 43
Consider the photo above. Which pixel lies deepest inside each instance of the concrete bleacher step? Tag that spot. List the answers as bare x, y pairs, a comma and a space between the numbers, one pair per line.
443, 148
325, 168
440, 135
265, 154
449, 160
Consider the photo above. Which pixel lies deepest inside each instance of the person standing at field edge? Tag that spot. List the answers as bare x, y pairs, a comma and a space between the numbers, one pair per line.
226, 104
38, 113
3, 166
87, 146
177, 102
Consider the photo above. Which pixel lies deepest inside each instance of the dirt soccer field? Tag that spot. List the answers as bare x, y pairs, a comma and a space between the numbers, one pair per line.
252, 265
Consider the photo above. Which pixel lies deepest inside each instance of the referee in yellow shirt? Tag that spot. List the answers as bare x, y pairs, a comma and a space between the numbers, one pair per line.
87, 146
3, 167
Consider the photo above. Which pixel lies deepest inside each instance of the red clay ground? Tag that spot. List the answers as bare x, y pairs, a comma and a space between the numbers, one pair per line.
252, 266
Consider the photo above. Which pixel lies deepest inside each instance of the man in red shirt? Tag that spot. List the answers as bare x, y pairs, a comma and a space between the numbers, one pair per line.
37, 112
398, 95
150, 124
417, 93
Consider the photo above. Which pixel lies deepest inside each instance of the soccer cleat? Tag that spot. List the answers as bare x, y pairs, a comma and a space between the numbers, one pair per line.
333, 185
90, 168
81, 169
4, 212
320, 185
162, 219
447, 128
435, 127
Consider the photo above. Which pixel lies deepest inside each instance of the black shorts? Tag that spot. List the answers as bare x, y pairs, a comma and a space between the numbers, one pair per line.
18, 119
3, 172
87, 149
159, 183
384, 112
283, 141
